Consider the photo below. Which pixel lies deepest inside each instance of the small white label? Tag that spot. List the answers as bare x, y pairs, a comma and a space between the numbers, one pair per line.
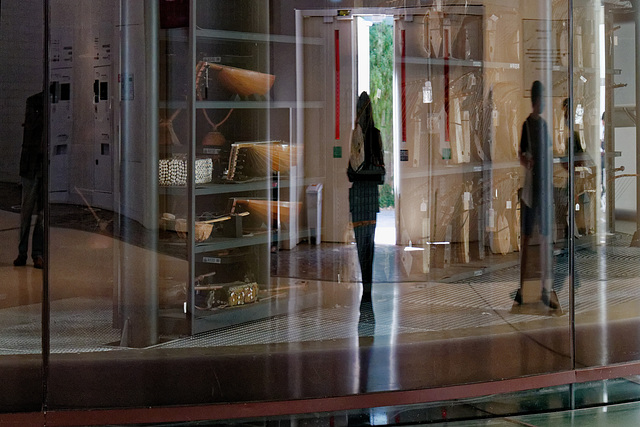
577, 207
211, 260
127, 86
427, 94
423, 207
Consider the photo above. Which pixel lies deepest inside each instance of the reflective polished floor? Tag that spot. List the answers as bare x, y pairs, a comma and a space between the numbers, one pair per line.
420, 332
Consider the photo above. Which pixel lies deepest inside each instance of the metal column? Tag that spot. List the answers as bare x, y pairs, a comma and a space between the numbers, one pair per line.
609, 133
138, 269
637, 34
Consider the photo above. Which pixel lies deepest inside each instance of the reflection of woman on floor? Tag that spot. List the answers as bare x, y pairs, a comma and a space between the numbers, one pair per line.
363, 195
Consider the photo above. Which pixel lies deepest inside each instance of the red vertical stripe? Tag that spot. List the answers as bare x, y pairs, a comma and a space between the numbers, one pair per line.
446, 84
403, 85
337, 46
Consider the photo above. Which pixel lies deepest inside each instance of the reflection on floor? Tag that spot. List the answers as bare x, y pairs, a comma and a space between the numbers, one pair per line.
476, 300
449, 326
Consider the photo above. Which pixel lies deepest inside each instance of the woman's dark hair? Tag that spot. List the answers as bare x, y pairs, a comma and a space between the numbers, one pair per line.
372, 142
364, 112
536, 91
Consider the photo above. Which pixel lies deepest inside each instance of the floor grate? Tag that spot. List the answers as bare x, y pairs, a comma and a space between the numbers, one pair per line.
607, 277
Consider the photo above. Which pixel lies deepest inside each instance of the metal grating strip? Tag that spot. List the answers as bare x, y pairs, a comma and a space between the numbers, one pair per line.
607, 276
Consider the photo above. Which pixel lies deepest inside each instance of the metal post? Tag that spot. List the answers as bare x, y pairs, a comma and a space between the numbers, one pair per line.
546, 220
637, 34
139, 268
609, 133
571, 196
46, 300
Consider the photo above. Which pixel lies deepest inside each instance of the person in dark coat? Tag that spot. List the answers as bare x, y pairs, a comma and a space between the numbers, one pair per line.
363, 194
31, 162
534, 150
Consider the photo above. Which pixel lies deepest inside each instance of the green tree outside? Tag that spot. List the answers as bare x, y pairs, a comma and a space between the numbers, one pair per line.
381, 79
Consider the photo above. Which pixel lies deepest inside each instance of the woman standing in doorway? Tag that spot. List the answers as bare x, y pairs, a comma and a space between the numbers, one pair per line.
363, 194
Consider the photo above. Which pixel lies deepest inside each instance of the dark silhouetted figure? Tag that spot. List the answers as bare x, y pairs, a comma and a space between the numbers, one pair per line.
534, 146
31, 159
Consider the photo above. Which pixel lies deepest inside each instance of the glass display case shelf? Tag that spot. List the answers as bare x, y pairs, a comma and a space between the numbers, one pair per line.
219, 243
454, 62
213, 244
461, 168
240, 104
182, 35
256, 104
271, 302
206, 33
236, 187
225, 188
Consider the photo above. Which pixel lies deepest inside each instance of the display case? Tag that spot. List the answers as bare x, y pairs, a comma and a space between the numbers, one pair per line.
447, 159
227, 165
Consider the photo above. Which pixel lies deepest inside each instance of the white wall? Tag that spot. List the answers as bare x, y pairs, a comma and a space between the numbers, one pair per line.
85, 28
625, 198
624, 60
625, 138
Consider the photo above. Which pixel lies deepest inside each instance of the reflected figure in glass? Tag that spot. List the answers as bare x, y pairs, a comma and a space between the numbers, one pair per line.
31, 159
533, 156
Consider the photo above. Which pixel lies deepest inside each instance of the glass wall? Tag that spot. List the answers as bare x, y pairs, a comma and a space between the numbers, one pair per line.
606, 201
278, 200
23, 248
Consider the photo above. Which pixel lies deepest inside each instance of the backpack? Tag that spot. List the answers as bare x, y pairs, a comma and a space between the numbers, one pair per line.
356, 158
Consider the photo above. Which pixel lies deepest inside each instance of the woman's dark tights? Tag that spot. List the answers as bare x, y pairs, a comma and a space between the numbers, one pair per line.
365, 243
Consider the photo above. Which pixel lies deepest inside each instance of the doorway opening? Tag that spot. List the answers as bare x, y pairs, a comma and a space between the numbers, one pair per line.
375, 75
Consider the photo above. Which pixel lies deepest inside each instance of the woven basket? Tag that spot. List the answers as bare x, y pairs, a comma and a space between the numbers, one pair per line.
173, 171
203, 230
